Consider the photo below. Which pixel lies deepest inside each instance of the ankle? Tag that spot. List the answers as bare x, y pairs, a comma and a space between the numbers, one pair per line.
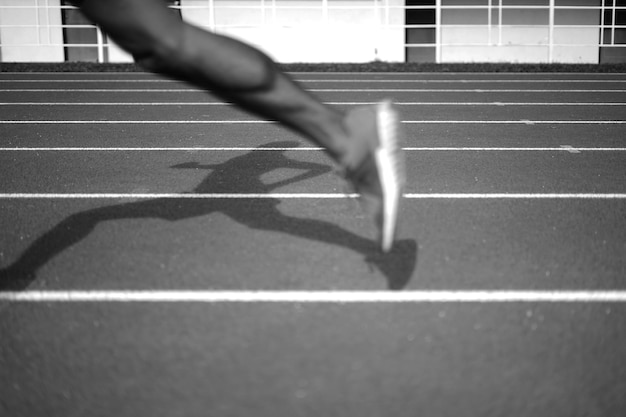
333, 134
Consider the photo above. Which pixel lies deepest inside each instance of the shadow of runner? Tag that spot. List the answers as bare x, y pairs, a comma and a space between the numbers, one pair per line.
241, 174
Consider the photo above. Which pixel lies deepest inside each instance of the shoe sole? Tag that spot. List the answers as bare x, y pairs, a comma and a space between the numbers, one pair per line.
390, 165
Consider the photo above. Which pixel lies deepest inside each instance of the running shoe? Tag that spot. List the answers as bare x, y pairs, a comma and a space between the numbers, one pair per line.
375, 165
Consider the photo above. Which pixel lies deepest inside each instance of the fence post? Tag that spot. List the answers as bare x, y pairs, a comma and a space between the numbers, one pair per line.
551, 34
100, 39
438, 40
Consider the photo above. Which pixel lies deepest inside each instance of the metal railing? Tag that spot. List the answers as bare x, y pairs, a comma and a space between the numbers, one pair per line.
439, 29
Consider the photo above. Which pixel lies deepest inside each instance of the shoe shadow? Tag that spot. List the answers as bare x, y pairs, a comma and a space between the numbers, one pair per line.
241, 174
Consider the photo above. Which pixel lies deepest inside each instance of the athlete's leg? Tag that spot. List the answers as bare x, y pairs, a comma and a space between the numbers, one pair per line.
161, 42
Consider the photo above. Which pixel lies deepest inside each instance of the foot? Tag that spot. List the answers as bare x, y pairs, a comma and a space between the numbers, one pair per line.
374, 165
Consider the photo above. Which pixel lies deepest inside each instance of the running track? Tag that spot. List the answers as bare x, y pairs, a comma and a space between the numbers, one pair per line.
165, 254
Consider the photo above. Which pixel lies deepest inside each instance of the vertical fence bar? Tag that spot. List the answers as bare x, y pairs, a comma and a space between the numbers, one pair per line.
376, 25
602, 6
613, 23
38, 20
48, 29
438, 40
489, 22
100, 40
551, 33
500, 22
212, 19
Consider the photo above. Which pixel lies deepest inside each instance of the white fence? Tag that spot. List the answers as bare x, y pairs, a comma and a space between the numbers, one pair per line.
569, 31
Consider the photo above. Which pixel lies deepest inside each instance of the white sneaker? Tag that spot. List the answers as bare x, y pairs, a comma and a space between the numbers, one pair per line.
375, 165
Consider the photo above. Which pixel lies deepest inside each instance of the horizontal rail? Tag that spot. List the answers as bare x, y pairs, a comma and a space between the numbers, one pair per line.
329, 5
378, 17
406, 45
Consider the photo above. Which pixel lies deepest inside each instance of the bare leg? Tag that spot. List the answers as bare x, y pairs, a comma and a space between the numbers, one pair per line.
364, 142
161, 42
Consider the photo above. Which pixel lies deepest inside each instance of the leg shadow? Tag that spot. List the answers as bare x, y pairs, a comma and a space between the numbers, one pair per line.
242, 174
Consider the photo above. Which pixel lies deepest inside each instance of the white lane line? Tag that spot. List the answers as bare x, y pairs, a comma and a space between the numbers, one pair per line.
346, 103
327, 90
164, 103
562, 148
134, 121
416, 196
570, 149
161, 149
527, 122
565, 148
353, 73
515, 196
140, 196
257, 121
336, 80
500, 103
494, 296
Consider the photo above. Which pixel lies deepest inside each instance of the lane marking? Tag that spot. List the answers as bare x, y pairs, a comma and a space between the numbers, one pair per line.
565, 148
495, 296
570, 149
135, 121
327, 90
514, 121
416, 196
399, 103
161, 149
335, 80
581, 196
257, 121
352, 73
140, 196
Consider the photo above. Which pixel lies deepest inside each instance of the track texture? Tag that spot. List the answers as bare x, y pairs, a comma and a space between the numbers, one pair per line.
80, 136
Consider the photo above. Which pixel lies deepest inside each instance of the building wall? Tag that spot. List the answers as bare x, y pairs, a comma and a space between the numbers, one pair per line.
301, 31
117, 54
523, 35
360, 30
39, 40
